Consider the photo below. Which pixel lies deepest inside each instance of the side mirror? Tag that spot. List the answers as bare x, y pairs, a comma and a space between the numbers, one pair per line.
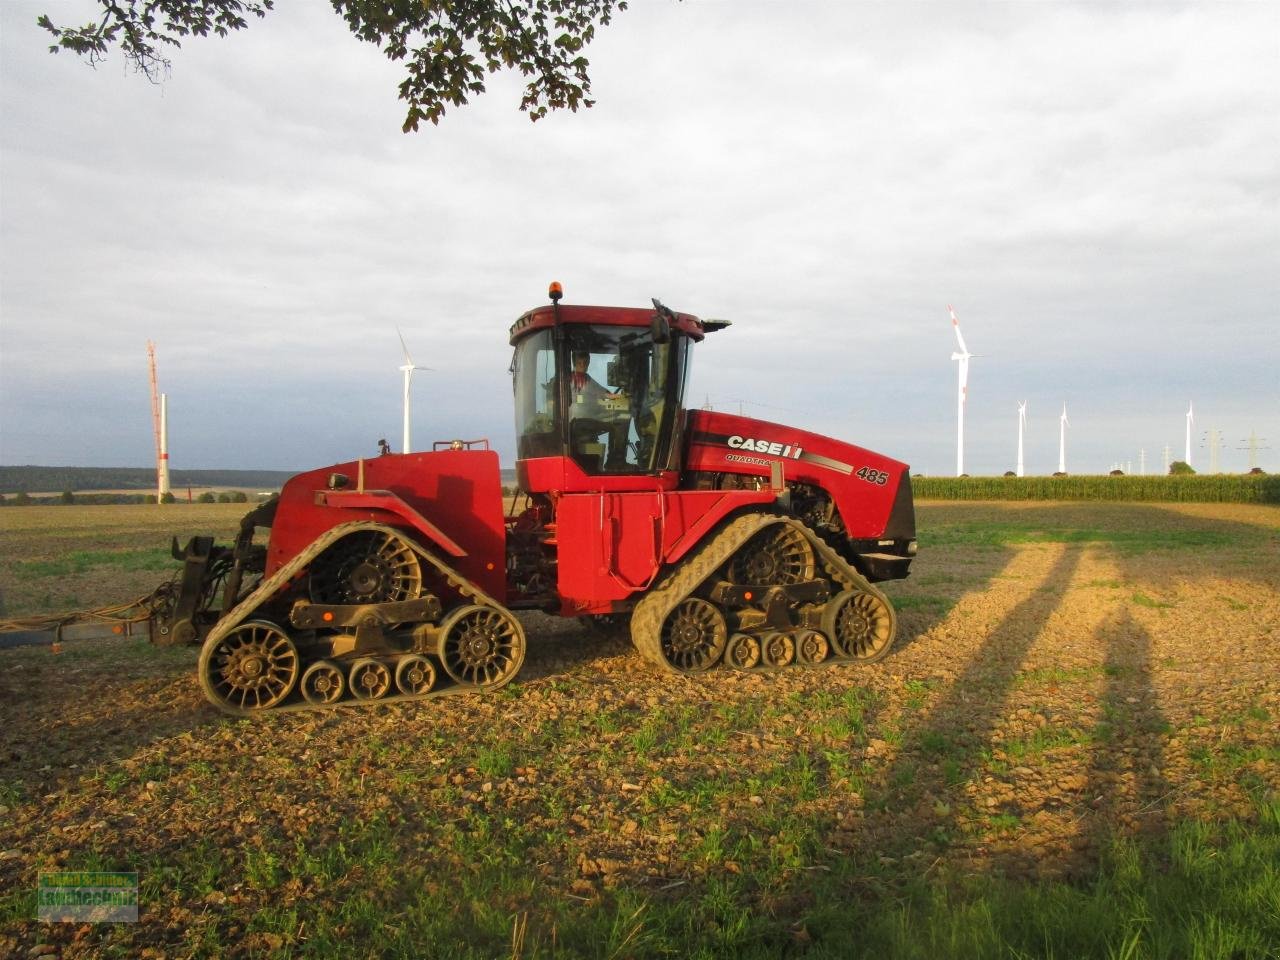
659, 328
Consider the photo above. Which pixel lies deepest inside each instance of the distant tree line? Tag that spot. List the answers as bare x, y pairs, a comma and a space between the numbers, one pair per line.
33, 479
66, 497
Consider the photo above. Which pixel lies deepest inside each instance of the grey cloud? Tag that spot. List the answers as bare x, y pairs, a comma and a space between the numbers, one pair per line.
1094, 187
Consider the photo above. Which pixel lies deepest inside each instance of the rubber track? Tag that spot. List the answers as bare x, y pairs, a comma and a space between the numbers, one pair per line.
269, 587
653, 609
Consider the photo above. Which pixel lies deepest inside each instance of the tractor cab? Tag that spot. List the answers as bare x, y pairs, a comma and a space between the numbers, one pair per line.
599, 392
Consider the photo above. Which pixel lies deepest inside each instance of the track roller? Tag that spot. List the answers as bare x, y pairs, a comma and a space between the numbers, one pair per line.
370, 679
415, 675
811, 646
743, 651
323, 683
777, 649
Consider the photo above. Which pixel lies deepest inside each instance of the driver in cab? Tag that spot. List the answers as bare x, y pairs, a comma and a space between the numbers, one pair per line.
586, 396
592, 412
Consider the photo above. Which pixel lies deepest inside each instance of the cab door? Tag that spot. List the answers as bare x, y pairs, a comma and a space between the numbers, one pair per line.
609, 546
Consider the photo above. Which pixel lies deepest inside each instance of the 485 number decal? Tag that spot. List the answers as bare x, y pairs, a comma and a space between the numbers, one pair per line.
878, 477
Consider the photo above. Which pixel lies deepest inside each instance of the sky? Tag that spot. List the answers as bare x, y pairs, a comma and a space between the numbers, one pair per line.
1095, 188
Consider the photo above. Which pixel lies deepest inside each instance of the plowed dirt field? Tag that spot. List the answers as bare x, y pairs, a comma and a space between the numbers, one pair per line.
1064, 675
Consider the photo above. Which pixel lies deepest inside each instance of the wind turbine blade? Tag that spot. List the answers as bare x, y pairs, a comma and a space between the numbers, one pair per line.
955, 324
403, 346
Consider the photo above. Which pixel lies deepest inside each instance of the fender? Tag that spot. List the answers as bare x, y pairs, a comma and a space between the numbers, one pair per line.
388, 502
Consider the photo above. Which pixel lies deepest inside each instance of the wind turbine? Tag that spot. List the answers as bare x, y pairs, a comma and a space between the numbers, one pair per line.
407, 369
963, 356
1062, 440
1022, 425
1190, 419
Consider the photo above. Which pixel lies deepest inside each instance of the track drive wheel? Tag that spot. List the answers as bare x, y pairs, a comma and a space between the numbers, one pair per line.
323, 683
481, 646
370, 566
694, 636
780, 554
860, 624
254, 667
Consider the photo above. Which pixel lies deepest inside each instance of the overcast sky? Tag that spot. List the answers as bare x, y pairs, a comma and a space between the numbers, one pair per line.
1096, 189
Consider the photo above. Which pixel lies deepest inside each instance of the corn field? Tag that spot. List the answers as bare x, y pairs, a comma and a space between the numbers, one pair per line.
1218, 488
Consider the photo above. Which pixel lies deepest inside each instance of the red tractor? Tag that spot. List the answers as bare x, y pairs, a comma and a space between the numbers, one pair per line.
720, 539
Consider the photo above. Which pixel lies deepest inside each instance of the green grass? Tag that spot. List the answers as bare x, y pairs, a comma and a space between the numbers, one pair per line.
1227, 758
495, 761
989, 533
1045, 738
1205, 891
922, 602
11, 794
439, 872
82, 561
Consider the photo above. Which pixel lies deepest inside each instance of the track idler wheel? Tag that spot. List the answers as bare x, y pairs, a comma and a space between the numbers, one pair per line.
694, 636
780, 554
861, 625
254, 667
415, 675
323, 683
481, 646
371, 566
743, 651
370, 679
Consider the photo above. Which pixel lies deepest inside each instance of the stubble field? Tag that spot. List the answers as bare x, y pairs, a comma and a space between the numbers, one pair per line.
1071, 752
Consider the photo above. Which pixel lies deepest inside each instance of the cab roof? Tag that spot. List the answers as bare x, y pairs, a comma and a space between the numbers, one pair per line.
542, 317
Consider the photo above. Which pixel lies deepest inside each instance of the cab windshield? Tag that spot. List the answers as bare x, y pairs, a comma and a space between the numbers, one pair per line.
620, 395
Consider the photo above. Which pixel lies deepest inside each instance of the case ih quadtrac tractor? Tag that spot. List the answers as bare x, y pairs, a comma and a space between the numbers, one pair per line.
721, 540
